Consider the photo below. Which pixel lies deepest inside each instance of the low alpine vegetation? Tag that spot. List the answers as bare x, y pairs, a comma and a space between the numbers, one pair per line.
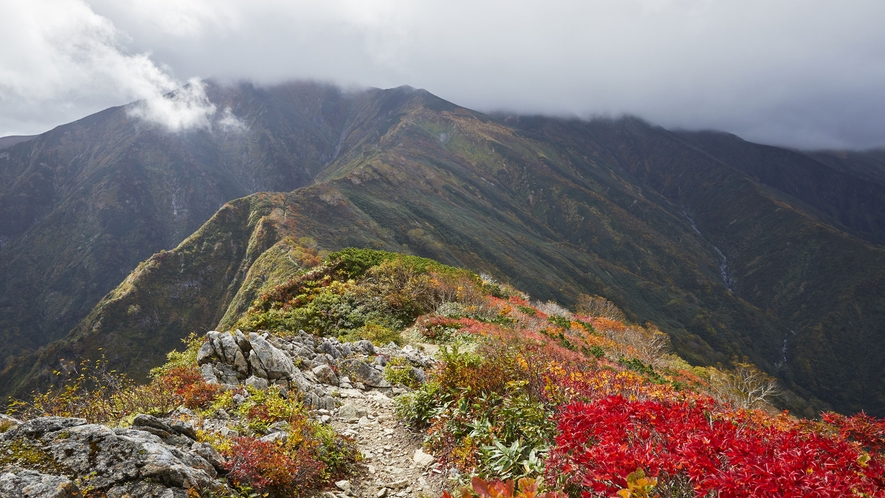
527, 398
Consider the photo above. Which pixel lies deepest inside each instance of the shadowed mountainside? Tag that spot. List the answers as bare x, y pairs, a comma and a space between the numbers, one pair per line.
734, 249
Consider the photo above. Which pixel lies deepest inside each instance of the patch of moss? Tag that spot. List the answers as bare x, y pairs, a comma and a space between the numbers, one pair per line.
24, 453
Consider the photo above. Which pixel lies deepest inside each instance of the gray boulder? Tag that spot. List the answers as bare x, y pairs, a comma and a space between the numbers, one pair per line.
206, 354
116, 462
330, 348
269, 360
208, 373
225, 373
365, 347
320, 402
257, 382
326, 375
351, 413
23, 483
223, 344
360, 371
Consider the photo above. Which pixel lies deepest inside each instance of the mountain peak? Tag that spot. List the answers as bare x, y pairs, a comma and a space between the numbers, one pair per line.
722, 243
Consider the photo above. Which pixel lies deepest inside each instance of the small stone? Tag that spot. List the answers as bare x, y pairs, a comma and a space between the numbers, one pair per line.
422, 459
325, 374
256, 382
350, 412
381, 493
343, 485
398, 484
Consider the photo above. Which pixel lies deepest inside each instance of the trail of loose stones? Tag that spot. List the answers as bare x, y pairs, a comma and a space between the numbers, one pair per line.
342, 384
394, 464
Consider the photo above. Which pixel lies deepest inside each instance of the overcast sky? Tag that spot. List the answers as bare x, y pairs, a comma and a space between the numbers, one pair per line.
802, 73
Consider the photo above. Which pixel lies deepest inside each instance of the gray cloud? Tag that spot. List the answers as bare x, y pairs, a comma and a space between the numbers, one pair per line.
804, 73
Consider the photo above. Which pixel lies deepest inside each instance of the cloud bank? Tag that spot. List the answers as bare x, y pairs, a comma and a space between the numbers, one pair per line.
804, 73
67, 57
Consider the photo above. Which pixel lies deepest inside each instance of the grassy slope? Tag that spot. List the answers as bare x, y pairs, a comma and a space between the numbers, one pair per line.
557, 208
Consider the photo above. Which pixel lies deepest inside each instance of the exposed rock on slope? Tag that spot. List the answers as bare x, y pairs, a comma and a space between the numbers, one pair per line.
302, 362
60, 457
161, 457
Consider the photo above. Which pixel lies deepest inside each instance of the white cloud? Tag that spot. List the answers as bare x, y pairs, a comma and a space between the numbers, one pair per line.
799, 72
63, 55
230, 123
186, 108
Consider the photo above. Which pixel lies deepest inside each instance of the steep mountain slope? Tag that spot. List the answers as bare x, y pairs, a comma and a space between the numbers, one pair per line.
820, 286
81, 205
677, 229
848, 192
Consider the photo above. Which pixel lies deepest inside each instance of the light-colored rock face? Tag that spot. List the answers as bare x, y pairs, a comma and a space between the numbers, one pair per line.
154, 458
302, 363
274, 362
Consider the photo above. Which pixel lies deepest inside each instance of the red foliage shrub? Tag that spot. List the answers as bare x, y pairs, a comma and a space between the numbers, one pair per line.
524, 488
188, 386
862, 428
600, 443
266, 468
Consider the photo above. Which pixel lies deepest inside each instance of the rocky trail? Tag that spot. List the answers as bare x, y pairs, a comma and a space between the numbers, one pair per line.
394, 464
342, 384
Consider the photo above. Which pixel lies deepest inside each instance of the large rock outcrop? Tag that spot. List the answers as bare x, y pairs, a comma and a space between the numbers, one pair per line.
302, 362
62, 457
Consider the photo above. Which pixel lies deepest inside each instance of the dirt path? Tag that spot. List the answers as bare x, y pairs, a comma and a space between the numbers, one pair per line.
393, 465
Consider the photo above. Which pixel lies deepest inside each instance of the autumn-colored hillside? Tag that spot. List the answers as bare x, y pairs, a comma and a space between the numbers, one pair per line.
582, 403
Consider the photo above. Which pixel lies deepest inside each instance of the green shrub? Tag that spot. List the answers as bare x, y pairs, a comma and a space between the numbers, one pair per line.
420, 406
377, 334
528, 310
176, 359
560, 321
398, 371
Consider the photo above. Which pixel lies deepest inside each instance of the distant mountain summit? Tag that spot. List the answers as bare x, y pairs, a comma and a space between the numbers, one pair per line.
734, 249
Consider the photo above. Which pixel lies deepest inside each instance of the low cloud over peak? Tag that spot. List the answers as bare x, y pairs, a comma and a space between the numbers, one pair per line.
798, 73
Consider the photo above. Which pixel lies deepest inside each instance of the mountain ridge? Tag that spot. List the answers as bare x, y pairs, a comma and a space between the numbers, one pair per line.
641, 215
